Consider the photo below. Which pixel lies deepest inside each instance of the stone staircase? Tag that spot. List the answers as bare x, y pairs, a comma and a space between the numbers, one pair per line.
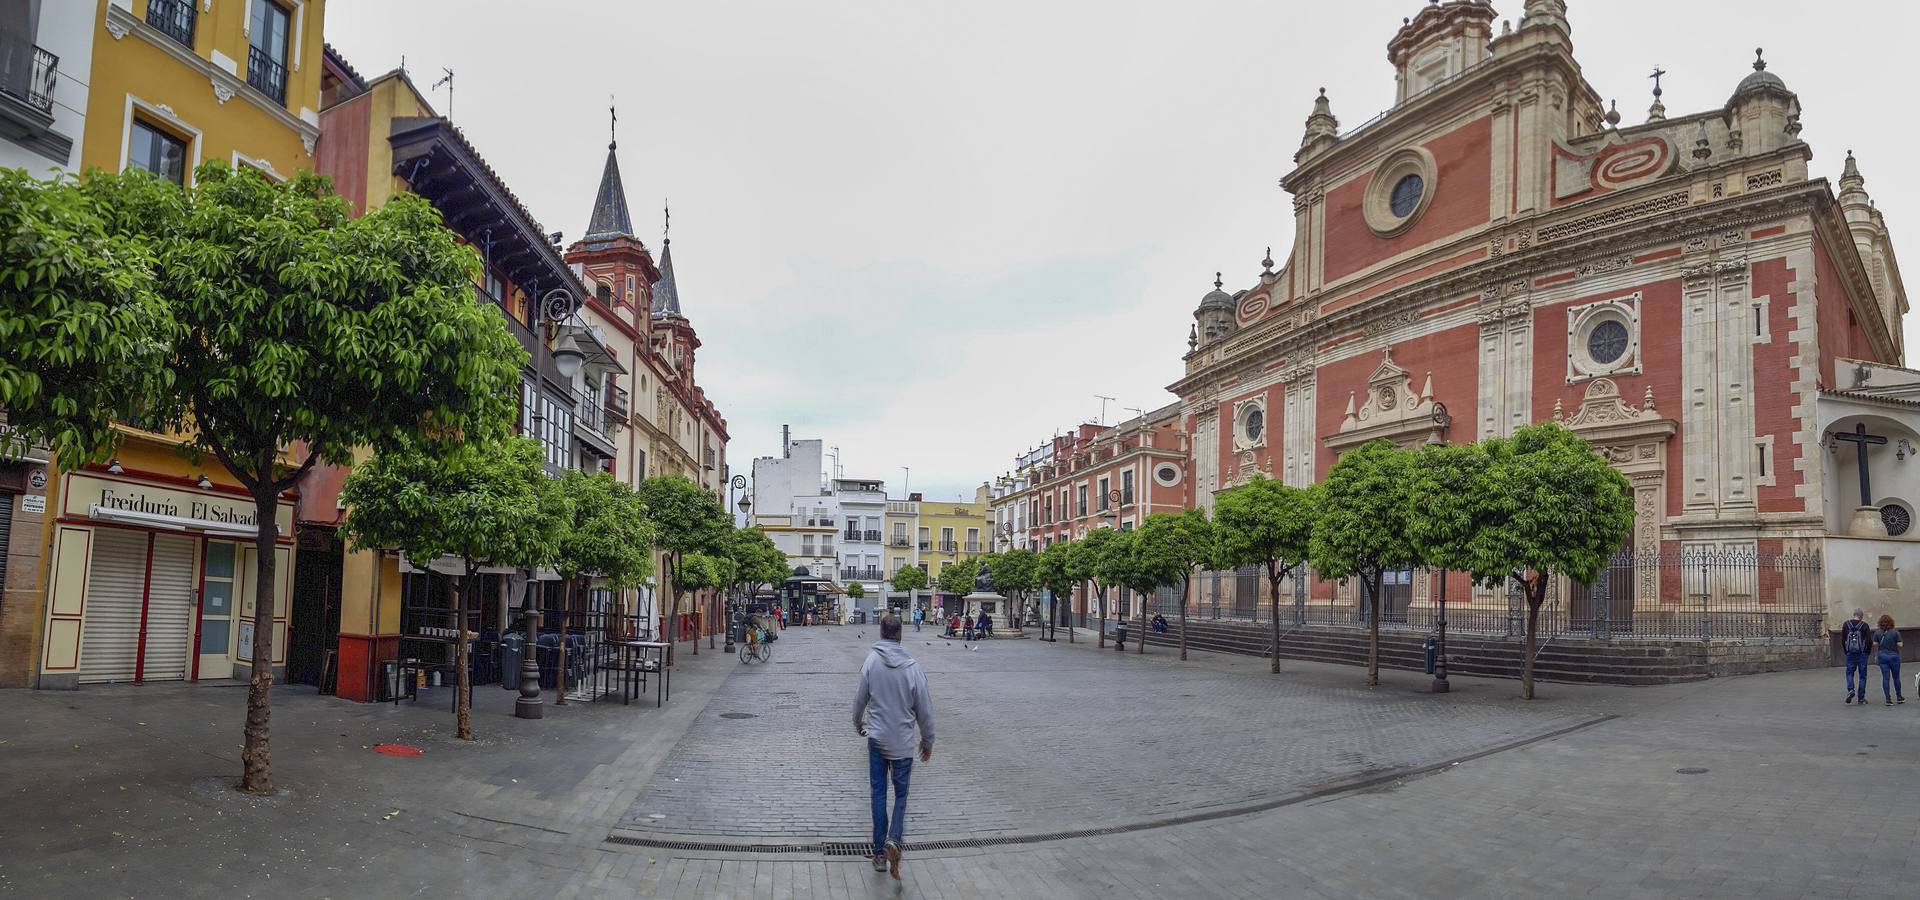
1562, 660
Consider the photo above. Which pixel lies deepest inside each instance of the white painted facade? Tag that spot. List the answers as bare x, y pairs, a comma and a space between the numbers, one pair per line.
64, 29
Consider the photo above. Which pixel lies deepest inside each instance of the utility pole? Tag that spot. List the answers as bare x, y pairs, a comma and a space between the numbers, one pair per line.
1103, 407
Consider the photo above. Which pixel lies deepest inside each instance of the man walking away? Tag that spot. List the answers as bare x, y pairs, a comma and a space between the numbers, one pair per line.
1855, 637
1887, 642
891, 702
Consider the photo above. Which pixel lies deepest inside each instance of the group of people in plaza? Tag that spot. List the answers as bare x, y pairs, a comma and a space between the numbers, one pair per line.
1858, 641
970, 627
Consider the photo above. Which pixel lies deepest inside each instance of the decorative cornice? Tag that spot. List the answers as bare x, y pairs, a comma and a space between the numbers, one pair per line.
1276, 337
121, 22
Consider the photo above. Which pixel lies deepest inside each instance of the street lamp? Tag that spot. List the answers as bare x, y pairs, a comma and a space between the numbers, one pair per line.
1440, 685
529, 705
743, 504
567, 355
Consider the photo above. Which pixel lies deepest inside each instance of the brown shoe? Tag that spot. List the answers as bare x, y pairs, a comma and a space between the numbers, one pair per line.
893, 859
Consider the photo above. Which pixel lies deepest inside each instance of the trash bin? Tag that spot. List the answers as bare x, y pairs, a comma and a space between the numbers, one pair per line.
1431, 649
510, 645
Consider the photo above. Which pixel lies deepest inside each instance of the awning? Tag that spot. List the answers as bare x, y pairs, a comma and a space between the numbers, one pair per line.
170, 523
454, 565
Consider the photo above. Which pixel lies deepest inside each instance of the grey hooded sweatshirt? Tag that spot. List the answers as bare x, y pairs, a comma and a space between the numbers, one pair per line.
892, 699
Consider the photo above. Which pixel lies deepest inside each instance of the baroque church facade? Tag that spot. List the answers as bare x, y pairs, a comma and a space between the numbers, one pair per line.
1500, 249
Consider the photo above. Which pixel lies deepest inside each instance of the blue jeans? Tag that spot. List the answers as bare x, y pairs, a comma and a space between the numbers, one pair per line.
879, 769
1857, 662
1889, 673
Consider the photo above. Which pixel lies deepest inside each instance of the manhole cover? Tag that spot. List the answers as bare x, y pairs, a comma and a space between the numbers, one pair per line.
1692, 770
738, 716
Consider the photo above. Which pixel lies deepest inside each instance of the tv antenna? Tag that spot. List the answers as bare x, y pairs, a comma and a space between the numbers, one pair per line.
448, 81
1103, 407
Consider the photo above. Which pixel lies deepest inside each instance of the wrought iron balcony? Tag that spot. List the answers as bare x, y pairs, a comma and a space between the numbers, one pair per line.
871, 536
898, 541
924, 545
173, 18
860, 574
27, 72
850, 536
948, 546
266, 76
973, 547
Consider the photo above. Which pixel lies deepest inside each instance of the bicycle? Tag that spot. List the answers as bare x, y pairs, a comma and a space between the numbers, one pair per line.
755, 648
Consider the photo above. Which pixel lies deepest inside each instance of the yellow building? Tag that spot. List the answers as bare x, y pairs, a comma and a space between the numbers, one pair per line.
147, 558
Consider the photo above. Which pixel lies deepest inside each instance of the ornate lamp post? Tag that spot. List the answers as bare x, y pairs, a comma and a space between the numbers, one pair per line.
1440, 685
733, 603
529, 705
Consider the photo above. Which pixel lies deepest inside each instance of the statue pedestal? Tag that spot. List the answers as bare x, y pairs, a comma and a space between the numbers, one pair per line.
996, 606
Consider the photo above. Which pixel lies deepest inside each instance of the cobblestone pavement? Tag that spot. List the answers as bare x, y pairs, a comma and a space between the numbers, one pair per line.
1036, 739
117, 793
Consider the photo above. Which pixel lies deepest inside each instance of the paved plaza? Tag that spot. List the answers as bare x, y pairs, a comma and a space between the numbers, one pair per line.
1061, 771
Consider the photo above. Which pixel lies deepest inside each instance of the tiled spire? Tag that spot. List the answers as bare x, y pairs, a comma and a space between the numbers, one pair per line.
610, 217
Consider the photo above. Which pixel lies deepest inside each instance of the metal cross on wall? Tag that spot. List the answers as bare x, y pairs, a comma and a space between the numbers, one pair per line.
1861, 440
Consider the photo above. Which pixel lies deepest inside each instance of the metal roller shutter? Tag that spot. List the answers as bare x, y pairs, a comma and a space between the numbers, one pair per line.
6, 527
116, 578
170, 608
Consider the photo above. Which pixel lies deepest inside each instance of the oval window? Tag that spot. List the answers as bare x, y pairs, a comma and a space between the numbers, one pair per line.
1406, 196
1607, 342
1255, 424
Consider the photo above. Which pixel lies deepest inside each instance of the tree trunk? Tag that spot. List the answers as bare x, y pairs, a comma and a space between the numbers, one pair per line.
1102, 597
256, 755
1142, 647
462, 677
713, 606
1373, 630
560, 669
1186, 586
1273, 584
1533, 619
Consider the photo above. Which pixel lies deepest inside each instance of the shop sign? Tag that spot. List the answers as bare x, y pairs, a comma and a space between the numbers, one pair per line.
33, 503
86, 491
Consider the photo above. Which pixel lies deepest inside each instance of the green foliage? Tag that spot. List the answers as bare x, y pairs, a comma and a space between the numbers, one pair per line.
1365, 514
1015, 572
608, 533
1087, 560
84, 337
909, 579
1113, 556
686, 517
698, 571
1056, 568
486, 502
1168, 547
856, 590
957, 578
756, 560
1540, 502
1264, 523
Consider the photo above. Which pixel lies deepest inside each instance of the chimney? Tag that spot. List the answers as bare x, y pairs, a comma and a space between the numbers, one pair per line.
786, 445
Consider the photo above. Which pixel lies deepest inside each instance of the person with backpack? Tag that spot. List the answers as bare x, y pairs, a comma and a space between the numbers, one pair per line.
1886, 643
1855, 637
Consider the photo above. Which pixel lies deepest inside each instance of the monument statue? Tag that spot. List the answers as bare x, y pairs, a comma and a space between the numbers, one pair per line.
983, 582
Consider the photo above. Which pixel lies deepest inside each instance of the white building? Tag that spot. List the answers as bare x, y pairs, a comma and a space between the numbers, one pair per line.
46, 50
834, 527
862, 504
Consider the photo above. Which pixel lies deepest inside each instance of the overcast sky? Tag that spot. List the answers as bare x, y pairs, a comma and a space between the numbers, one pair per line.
932, 233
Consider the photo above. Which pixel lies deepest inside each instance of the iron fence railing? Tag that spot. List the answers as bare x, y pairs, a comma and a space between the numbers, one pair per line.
266, 74
27, 73
1689, 595
173, 18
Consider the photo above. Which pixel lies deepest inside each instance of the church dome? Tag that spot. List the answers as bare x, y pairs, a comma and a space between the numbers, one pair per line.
1760, 82
1217, 298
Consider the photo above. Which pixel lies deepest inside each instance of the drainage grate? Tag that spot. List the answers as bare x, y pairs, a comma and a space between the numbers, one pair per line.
738, 716
1692, 770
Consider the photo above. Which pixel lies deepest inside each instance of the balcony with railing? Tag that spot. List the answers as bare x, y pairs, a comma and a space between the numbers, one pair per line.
973, 547
948, 546
850, 536
899, 540
924, 545
871, 536
173, 18
868, 573
28, 73
266, 76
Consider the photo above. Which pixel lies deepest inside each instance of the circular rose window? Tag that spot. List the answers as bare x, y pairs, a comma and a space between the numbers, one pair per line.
1607, 342
1406, 196
1896, 519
